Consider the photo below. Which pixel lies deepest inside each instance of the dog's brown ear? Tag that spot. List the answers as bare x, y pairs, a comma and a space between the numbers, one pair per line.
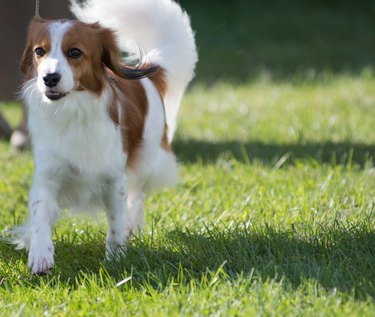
26, 62
111, 57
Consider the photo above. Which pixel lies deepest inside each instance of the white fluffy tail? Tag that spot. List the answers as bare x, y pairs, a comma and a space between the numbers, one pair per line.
161, 29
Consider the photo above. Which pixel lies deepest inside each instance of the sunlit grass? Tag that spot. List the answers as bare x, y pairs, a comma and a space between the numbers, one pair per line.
274, 214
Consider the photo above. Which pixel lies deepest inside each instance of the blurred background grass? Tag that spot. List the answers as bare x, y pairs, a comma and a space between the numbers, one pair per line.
298, 39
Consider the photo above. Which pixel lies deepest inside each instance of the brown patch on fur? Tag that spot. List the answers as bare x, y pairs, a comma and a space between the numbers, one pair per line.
38, 36
131, 97
160, 82
113, 113
165, 144
113, 110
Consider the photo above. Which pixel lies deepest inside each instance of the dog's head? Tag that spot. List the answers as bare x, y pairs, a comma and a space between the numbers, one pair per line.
67, 56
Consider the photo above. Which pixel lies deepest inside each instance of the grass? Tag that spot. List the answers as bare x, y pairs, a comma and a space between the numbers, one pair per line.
274, 213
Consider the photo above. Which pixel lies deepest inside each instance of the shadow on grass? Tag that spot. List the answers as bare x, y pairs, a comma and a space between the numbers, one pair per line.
338, 257
193, 151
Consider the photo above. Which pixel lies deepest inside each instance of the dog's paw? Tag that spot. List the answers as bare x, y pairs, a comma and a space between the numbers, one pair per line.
41, 259
114, 250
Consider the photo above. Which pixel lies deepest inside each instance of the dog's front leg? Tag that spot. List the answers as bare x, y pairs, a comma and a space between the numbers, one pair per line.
116, 205
43, 213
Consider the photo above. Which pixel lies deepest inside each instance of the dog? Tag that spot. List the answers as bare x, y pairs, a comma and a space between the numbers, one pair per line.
101, 129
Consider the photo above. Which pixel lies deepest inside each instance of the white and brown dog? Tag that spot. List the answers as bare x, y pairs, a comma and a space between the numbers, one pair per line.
101, 130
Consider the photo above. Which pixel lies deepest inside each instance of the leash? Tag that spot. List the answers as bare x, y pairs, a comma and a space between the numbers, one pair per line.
37, 2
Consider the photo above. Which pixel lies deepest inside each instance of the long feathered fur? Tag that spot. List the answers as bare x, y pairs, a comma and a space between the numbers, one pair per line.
160, 29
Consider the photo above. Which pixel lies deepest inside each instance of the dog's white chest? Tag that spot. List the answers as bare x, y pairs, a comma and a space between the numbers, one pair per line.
76, 132
78, 145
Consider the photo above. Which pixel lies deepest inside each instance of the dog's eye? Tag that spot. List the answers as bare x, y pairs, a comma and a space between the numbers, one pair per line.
74, 52
39, 51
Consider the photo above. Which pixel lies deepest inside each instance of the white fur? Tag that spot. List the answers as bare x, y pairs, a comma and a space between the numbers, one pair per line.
161, 30
78, 154
56, 61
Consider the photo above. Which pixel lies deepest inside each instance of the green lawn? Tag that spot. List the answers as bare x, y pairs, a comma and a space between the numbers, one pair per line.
274, 213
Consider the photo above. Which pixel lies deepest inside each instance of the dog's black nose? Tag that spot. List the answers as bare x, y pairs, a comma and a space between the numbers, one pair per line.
51, 80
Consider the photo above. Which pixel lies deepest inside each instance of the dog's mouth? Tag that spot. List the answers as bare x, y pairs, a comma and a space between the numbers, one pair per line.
54, 94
